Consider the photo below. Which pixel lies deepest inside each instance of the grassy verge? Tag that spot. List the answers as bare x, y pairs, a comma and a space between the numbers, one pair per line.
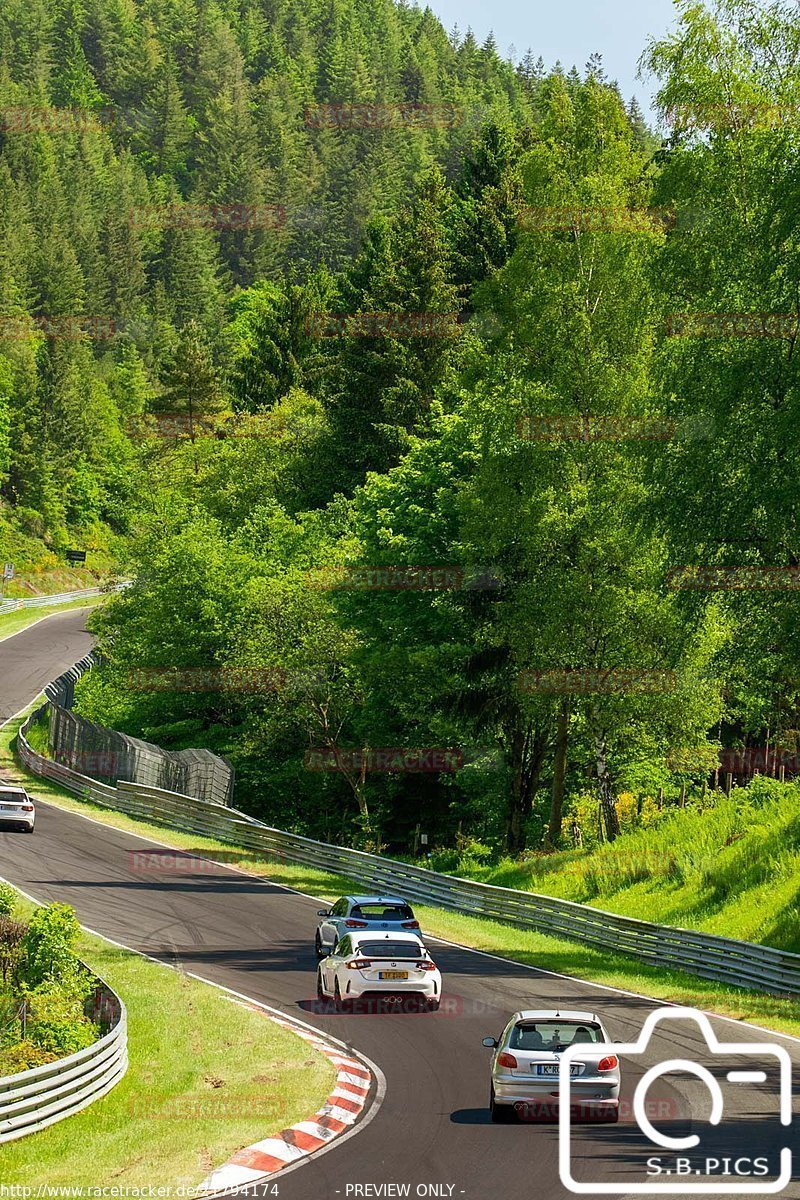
731, 867
520, 945
206, 1077
14, 622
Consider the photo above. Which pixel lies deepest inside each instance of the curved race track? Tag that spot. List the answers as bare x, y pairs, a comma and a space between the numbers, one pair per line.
432, 1127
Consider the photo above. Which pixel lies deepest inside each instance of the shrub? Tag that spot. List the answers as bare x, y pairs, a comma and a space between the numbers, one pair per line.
48, 945
8, 899
12, 934
23, 1057
56, 1022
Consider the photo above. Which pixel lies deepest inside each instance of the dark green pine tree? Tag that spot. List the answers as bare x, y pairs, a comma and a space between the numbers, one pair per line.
191, 383
489, 196
384, 385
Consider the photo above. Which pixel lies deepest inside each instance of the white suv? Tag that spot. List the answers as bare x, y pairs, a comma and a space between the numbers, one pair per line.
16, 808
376, 914
392, 968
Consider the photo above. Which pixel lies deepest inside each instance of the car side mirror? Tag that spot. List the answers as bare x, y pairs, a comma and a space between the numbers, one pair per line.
324, 912
490, 1043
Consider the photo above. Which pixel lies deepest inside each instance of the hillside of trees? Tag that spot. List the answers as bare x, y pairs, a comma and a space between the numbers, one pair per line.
412, 576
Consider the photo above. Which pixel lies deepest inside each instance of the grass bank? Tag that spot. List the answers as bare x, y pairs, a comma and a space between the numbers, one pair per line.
731, 868
15, 622
524, 946
206, 1077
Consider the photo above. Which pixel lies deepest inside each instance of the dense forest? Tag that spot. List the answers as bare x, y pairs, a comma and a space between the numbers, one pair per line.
443, 414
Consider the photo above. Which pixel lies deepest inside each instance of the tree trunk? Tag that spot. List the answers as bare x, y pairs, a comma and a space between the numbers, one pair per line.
527, 754
559, 774
608, 809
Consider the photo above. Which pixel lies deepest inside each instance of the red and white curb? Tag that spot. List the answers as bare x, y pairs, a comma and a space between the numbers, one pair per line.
340, 1111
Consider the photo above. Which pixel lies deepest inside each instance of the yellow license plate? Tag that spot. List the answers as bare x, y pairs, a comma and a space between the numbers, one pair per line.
393, 975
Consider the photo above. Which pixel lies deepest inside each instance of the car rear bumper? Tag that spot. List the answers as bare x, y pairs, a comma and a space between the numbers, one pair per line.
521, 1091
14, 820
363, 989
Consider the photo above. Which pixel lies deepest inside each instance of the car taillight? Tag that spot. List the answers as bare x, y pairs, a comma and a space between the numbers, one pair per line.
609, 1063
425, 965
410, 924
358, 964
356, 925
27, 808
506, 1060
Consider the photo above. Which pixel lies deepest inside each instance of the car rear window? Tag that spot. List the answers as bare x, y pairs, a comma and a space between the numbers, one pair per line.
7, 797
389, 949
553, 1035
383, 912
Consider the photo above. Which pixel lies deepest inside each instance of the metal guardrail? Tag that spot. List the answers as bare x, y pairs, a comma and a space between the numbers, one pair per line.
726, 960
42, 601
32, 1100
8, 606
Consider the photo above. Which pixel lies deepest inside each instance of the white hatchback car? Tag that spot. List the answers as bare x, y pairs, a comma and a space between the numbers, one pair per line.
525, 1068
16, 808
390, 968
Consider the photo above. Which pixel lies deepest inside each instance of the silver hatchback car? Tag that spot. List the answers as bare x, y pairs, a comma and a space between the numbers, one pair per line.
525, 1067
16, 808
372, 914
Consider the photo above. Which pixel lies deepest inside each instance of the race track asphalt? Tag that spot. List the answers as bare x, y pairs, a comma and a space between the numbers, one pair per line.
431, 1134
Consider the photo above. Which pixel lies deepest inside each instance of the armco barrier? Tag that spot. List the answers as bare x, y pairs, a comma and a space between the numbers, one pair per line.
8, 606
727, 960
32, 1100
